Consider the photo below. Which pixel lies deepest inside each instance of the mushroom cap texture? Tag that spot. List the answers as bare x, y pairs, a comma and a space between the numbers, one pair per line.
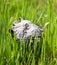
24, 29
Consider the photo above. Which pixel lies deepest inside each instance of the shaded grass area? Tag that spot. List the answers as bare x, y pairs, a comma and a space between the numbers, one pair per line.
39, 12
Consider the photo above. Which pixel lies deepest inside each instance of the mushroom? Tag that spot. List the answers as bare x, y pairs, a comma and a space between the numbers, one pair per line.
24, 29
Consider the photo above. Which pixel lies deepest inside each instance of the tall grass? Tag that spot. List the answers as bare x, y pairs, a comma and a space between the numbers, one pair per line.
38, 12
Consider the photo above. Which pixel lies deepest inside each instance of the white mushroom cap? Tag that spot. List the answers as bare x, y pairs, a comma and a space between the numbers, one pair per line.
25, 29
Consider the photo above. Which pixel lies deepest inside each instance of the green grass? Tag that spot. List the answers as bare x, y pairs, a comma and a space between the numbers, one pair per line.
38, 12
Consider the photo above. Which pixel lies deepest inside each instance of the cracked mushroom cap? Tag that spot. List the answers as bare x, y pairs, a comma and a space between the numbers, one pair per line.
24, 29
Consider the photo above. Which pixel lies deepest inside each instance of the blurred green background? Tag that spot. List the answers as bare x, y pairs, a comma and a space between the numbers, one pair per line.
38, 12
